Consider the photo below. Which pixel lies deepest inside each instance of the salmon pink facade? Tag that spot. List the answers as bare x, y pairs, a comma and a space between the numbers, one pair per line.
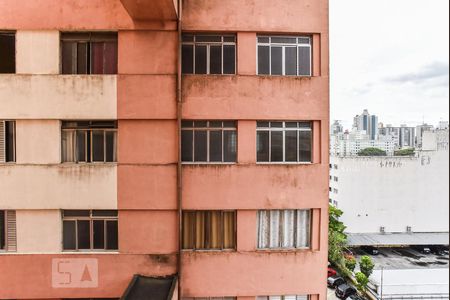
159, 138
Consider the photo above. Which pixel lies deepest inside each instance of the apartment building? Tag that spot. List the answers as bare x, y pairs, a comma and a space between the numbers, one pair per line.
178, 150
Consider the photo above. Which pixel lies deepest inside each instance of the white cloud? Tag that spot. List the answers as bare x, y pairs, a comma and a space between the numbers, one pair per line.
392, 57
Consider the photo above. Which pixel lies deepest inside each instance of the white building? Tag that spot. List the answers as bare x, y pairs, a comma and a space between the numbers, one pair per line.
403, 136
368, 123
392, 194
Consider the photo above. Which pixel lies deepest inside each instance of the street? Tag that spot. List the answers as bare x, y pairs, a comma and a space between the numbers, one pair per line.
331, 295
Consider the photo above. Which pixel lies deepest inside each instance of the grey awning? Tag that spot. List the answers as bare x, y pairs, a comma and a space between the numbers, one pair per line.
150, 288
398, 239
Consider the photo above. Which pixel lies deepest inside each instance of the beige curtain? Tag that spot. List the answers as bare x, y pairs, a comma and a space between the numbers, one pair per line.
68, 146
188, 230
215, 230
229, 230
200, 232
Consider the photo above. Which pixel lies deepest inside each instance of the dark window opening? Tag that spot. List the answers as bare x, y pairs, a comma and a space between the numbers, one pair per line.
208, 54
7, 141
7, 53
89, 53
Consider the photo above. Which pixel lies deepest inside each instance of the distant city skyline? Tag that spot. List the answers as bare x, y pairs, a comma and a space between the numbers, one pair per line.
396, 66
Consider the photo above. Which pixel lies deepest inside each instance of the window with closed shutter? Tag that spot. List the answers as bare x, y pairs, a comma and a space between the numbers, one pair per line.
8, 231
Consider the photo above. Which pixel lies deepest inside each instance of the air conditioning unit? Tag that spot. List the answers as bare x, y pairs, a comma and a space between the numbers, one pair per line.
383, 229
408, 229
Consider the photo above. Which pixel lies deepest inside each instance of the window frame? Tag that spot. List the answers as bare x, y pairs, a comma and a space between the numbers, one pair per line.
89, 130
284, 129
208, 45
4, 247
222, 249
14, 142
208, 130
11, 33
297, 45
284, 297
88, 37
280, 231
91, 218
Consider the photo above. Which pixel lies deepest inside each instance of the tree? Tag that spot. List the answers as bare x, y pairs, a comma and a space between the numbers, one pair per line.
366, 265
350, 263
362, 281
337, 239
372, 152
405, 152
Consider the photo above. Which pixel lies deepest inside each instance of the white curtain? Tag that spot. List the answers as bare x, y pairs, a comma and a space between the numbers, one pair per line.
303, 228
263, 229
288, 240
68, 146
275, 229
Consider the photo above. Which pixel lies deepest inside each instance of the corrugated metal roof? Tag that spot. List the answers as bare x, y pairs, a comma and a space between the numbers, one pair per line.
397, 239
150, 288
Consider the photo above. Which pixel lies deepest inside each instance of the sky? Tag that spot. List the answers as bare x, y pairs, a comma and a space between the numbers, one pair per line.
392, 58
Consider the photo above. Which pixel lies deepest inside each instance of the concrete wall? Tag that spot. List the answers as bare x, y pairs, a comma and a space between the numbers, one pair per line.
393, 192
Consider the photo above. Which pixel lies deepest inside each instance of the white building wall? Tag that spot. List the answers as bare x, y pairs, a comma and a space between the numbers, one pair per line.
393, 192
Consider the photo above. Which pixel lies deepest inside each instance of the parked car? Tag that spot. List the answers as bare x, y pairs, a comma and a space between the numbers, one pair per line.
335, 281
445, 249
438, 250
344, 290
370, 250
354, 297
422, 249
331, 272
348, 254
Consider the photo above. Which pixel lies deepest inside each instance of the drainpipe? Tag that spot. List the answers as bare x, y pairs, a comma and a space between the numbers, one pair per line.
179, 165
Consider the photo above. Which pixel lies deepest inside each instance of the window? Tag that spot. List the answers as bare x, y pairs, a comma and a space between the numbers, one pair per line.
284, 142
209, 54
89, 53
7, 141
90, 230
89, 141
7, 53
293, 297
209, 141
285, 56
8, 231
336, 179
209, 298
288, 229
209, 230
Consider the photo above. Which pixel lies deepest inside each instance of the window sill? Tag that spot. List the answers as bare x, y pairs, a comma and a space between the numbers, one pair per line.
90, 252
87, 164
286, 76
209, 163
282, 250
209, 251
286, 163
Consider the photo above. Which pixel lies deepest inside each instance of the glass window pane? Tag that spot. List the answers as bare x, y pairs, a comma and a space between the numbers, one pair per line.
98, 146
84, 235
229, 39
305, 146
262, 124
187, 124
200, 124
275, 229
110, 58
188, 59
229, 230
188, 38
200, 230
304, 61
189, 230
291, 124
200, 146
276, 146
262, 138
263, 60
229, 124
263, 229
230, 146
7, 53
69, 57
208, 38
112, 232
276, 124
288, 239
215, 146
69, 239
67, 146
277, 61
104, 213
76, 213
263, 39
291, 61
303, 228
304, 40
215, 60
291, 145
81, 146
200, 60
82, 56
229, 59
98, 58
99, 234
186, 145
284, 40
111, 146
215, 124
214, 230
